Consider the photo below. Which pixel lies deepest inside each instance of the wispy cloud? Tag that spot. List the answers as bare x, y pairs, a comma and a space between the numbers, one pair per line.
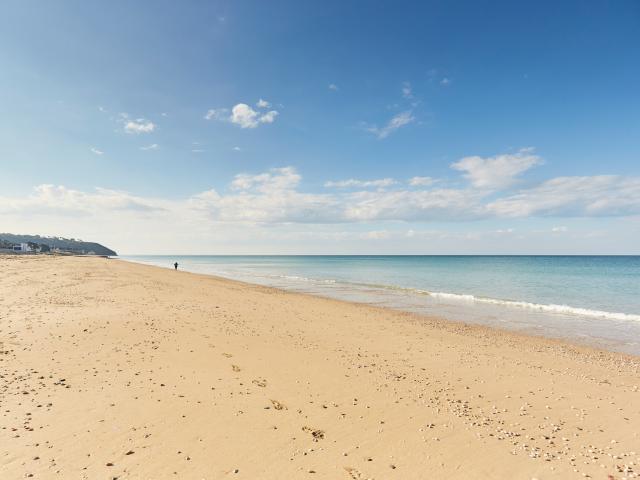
593, 196
277, 179
334, 87
421, 181
439, 76
153, 146
351, 183
217, 114
396, 122
407, 92
96, 151
60, 200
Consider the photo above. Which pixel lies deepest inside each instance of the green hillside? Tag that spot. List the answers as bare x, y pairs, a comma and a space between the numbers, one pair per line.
71, 245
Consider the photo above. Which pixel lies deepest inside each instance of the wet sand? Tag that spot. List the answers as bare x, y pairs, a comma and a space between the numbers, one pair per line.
116, 370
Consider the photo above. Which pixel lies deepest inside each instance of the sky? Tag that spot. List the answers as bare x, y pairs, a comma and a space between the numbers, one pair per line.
323, 127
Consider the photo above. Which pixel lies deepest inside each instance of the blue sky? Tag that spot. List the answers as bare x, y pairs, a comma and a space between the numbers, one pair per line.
297, 127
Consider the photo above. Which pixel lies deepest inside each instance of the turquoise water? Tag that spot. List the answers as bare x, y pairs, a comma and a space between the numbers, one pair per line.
589, 299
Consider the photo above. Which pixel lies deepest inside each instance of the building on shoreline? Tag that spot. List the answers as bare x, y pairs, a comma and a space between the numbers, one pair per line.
22, 247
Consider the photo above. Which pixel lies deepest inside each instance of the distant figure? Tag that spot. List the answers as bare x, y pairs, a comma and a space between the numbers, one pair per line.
175, 265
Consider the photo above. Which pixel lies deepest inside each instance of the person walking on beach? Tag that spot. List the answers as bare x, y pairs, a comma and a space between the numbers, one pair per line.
175, 265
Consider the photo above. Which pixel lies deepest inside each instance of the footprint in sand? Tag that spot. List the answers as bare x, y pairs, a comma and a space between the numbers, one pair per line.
260, 382
354, 473
278, 406
235, 368
315, 433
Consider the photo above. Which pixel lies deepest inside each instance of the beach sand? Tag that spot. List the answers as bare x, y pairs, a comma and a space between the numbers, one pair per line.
116, 370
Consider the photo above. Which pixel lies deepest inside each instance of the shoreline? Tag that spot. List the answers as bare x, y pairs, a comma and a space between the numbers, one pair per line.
136, 371
455, 326
591, 342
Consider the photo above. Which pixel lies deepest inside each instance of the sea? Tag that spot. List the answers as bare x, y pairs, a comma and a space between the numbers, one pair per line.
592, 300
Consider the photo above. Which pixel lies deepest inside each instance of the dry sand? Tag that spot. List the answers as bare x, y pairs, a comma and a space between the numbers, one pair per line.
115, 370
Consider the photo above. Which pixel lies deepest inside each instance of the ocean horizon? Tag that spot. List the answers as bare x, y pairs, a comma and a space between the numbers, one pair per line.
588, 299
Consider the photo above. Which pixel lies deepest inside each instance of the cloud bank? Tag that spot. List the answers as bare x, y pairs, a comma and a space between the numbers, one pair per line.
275, 211
276, 197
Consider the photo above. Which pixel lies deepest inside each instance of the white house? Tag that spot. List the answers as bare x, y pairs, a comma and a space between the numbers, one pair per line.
23, 247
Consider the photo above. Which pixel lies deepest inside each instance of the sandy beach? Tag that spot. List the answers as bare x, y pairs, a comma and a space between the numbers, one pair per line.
110, 369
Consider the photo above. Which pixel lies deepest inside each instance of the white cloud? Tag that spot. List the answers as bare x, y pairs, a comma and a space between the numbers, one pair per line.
421, 181
153, 146
276, 179
412, 205
243, 115
268, 117
398, 121
139, 126
274, 196
334, 87
236, 149
602, 195
381, 183
275, 199
96, 151
57, 199
267, 198
445, 82
498, 171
